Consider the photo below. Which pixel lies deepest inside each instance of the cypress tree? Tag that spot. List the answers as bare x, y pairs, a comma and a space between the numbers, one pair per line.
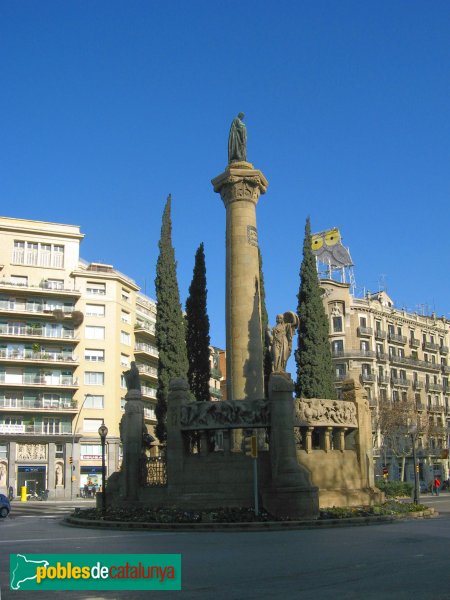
267, 358
314, 363
169, 330
197, 330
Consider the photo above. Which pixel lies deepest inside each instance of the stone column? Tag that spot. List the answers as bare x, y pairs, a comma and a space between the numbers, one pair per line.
240, 186
178, 397
131, 429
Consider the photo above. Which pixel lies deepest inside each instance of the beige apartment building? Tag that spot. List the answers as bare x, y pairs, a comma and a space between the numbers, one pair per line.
397, 356
68, 330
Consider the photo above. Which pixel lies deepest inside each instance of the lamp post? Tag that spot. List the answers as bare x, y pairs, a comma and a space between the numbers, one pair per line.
413, 434
103, 432
72, 464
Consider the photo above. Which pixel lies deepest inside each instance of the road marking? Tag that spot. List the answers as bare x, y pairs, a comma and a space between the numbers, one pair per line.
104, 538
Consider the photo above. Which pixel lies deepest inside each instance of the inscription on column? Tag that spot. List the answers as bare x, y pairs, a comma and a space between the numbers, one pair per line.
252, 235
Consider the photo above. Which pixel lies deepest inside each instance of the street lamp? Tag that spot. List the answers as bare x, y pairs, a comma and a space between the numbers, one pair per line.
103, 432
413, 434
72, 464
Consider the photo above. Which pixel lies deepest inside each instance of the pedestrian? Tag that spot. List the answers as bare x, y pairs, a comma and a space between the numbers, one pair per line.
11, 492
436, 485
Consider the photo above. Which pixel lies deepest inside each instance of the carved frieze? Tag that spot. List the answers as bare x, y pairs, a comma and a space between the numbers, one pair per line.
31, 452
318, 412
225, 414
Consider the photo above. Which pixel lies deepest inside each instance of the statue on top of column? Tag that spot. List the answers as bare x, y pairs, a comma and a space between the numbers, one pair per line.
132, 378
280, 340
237, 140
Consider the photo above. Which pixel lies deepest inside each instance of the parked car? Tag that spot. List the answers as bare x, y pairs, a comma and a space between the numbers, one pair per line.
5, 506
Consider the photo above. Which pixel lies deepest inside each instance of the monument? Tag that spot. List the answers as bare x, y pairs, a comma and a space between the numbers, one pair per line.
240, 187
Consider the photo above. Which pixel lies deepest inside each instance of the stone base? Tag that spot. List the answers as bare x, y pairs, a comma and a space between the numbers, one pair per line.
292, 502
350, 497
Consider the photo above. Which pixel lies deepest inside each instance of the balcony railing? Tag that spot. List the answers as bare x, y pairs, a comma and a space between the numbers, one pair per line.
147, 370
340, 376
420, 406
48, 286
32, 379
368, 377
353, 354
38, 403
382, 356
445, 369
414, 342
27, 331
56, 429
435, 387
149, 414
430, 346
380, 335
417, 385
397, 339
148, 391
5, 305
147, 348
365, 331
400, 381
435, 407
145, 326
443, 349
37, 356
383, 380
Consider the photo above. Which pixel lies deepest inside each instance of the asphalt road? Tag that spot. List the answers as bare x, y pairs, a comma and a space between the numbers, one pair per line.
404, 560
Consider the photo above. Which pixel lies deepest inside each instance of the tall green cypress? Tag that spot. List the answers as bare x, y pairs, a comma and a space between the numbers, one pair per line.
169, 330
267, 358
314, 363
197, 330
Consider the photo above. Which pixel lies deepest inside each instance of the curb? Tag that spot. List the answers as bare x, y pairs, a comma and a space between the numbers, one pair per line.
265, 526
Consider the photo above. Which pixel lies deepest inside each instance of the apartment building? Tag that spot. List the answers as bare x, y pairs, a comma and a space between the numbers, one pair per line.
397, 356
68, 330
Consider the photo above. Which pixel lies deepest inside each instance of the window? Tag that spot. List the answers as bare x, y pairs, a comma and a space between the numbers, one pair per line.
391, 330
394, 396
392, 352
363, 321
19, 280
59, 451
337, 323
53, 284
125, 338
364, 345
94, 355
124, 360
38, 254
95, 310
94, 401
92, 425
91, 451
337, 346
94, 378
96, 288
125, 317
365, 369
94, 333
123, 383
3, 451
125, 295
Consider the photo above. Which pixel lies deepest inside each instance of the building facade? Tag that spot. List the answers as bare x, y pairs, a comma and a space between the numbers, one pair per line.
68, 330
401, 360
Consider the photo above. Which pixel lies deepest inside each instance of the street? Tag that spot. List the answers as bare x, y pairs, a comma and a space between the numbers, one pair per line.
388, 561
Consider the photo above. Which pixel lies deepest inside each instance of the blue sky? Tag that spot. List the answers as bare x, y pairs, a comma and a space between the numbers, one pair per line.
106, 107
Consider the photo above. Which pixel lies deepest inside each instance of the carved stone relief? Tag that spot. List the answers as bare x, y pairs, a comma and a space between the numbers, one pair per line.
325, 412
31, 452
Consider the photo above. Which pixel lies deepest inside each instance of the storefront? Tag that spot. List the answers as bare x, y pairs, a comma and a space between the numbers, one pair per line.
34, 478
91, 480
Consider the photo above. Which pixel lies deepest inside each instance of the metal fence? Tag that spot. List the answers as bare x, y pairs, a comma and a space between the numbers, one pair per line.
154, 471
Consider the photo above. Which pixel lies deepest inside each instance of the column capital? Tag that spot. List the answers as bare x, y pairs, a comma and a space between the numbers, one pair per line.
240, 182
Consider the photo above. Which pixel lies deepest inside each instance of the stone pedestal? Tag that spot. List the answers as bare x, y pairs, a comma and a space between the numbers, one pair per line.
240, 187
291, 493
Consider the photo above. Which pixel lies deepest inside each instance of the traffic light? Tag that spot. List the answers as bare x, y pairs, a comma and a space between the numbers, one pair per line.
385, 472
70, 460
251, 446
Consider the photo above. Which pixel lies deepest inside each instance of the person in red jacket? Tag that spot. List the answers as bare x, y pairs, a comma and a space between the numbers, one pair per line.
436, 486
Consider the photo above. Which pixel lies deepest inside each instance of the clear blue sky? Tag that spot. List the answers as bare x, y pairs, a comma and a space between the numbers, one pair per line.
108, 106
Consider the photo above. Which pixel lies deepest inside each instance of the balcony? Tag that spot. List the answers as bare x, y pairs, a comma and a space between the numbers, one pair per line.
445, 369
414, 342
379, 334
443, 349
400, 360
45, 287
23, 404
382, 356
420, 406
368, 377
365, 331
147, 327
353, 354
215, 393
397, 339
149, 414
30, 356
41, 430
33, 308
400, 381
435, 387
435, 407
147, 370
36, 332
148, 392
340, 376
418, 385
430, 346
141, 348
33, 380
383, 380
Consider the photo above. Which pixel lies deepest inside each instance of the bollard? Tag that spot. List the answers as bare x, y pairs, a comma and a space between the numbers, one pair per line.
23, 493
